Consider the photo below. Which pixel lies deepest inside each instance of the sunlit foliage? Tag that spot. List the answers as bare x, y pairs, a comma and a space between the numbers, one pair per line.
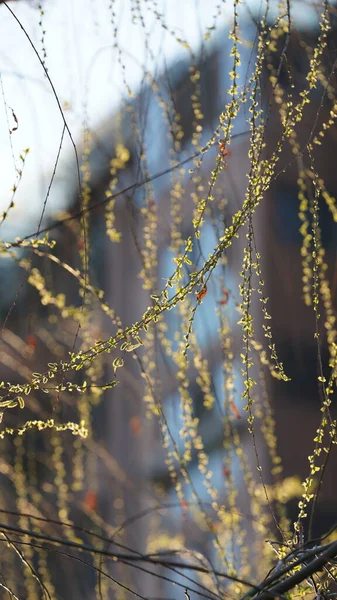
139, 449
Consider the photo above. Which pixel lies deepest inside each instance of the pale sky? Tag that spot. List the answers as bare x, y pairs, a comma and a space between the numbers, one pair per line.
87, 76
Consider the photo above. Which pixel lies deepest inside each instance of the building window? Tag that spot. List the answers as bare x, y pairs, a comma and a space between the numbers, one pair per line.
210, 418
287, 222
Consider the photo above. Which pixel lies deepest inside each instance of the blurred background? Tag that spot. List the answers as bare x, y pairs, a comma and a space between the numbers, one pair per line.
111, 121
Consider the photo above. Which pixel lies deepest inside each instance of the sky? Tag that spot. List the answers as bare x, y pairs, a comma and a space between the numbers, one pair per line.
75, 39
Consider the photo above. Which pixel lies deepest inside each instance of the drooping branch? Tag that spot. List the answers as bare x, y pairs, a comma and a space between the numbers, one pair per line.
118, 556
308, 570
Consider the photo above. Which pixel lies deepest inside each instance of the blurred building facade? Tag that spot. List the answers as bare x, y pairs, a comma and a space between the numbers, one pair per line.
133, 478
278, 239
288, 219
146, 129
